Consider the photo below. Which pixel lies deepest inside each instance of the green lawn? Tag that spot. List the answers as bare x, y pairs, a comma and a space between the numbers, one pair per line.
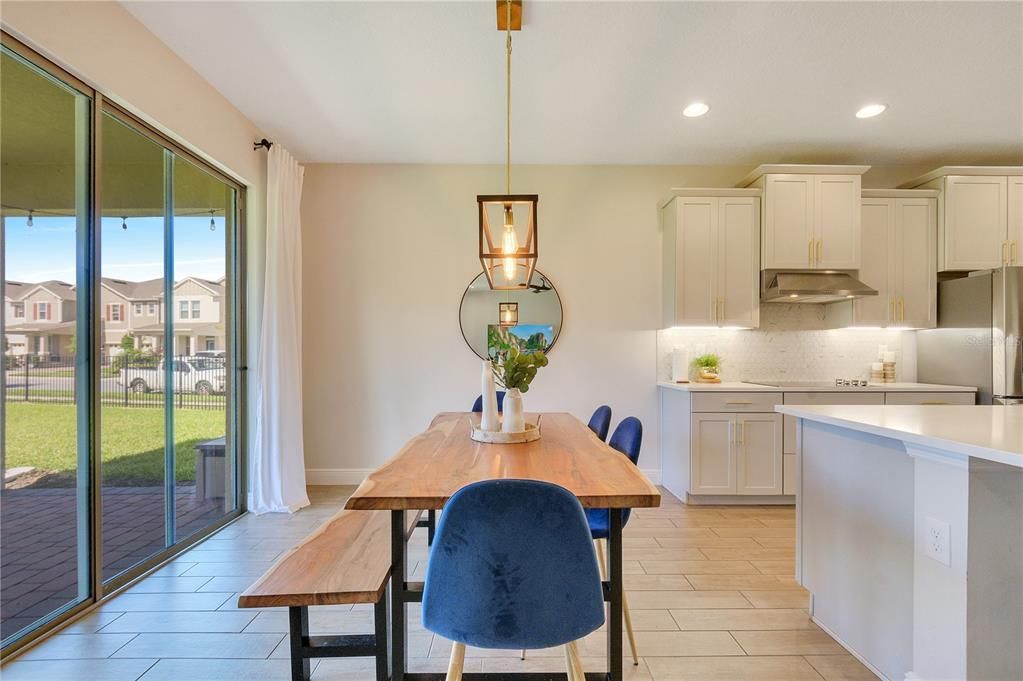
43, 436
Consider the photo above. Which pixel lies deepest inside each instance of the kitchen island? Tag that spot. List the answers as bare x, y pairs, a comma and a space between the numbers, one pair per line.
909, 535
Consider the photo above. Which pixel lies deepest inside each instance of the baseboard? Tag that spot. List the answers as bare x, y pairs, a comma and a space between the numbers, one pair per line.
336, 476
354, 476
740, 500
855, 654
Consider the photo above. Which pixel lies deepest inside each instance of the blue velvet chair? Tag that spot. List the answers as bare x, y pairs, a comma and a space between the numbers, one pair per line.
600, 422
627, 439
477, 406
512, 566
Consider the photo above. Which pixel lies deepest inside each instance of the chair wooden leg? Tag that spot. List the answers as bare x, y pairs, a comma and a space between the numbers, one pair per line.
457, 662
625, 602
522, 655
575, 662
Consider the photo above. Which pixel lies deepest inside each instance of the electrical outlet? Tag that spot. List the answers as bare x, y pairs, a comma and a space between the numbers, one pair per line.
936, 541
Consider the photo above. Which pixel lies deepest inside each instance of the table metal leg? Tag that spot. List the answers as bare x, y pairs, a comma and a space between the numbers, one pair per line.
398, 575
614, 628
380, 622
298, 628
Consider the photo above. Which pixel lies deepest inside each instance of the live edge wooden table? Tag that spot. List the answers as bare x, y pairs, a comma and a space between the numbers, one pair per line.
434, 465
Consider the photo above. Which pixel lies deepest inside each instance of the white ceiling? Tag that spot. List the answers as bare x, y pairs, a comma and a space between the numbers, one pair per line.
605, 82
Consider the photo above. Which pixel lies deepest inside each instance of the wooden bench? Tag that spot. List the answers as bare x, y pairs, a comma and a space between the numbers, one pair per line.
346, 561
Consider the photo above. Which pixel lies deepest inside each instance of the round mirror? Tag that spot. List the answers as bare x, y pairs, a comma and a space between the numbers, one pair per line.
491, 320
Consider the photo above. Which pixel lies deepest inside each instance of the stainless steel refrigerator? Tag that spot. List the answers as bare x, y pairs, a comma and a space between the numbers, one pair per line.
979, 336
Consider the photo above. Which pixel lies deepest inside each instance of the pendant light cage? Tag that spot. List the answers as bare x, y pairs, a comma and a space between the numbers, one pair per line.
508, 314
508, 269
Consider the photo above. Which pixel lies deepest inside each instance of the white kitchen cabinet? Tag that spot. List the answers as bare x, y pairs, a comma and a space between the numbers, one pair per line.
758, 460
713, 454
931, 398
811, 217
1015, 219
980, 216
711, 258
821, 398
900, 259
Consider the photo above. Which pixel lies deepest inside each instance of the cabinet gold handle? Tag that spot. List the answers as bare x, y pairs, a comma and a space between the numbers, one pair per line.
742, 432
714, 310
891, 310
721, 316
820, 251
739, 402
934, 402
1013, 254
1005, 252
810, 256
902, 309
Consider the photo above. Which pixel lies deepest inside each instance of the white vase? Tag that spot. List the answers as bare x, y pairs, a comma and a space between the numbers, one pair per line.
513, 421
489, 419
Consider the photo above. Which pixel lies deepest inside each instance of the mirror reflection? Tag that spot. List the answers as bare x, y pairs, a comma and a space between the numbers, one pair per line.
492, 320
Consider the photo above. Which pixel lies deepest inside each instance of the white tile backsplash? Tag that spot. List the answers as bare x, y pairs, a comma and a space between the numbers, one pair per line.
793, 343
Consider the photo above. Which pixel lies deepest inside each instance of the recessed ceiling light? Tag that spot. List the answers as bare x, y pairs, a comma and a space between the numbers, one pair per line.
871, 110
695, 109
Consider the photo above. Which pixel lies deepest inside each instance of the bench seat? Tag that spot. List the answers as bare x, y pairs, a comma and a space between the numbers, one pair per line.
347, 560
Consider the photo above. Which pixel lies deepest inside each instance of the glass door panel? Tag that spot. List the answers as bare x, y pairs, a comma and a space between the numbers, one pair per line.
204, 209
44, 481
133, 424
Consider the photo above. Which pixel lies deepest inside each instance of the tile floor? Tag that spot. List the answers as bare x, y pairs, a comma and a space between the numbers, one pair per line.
711, 592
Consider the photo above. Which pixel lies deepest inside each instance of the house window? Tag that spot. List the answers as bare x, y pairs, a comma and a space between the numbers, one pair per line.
152, 309
195, 309
19, 310
211, 343
138, 308
183, 309
42, 310
115, 313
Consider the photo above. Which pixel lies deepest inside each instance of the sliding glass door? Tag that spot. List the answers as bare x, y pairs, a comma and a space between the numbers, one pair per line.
120, 387
44, 498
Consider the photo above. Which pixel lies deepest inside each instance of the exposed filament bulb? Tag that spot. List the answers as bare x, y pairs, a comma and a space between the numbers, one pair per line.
509, 243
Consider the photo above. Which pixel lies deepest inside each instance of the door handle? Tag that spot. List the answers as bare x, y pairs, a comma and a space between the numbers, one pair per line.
820, 250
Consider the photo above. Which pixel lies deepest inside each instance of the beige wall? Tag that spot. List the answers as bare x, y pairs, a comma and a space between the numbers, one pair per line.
388, 251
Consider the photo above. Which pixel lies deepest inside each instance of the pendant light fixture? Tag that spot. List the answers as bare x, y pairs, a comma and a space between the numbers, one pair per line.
508, 314
509, 259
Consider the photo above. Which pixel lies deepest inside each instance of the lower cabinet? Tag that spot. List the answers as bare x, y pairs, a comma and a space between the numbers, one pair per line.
736, 454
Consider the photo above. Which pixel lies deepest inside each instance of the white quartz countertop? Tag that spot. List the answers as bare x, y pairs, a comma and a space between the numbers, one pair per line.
990, 432
874, 387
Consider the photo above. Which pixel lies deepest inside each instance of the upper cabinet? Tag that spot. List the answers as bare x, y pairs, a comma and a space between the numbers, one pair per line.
811, 217
980, 216
711, 255
899, 246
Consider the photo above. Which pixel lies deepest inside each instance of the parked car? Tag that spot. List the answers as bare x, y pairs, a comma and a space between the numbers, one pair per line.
201, 375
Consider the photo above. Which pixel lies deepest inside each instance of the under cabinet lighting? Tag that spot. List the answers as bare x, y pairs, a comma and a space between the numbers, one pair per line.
695, 110
871, 110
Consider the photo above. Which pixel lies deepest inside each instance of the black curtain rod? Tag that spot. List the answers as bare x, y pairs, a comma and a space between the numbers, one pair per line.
262, 144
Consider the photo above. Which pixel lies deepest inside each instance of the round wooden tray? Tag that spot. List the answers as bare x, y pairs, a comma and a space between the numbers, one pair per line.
532, 432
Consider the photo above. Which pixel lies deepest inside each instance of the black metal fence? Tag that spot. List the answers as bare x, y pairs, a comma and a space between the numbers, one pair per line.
197, 382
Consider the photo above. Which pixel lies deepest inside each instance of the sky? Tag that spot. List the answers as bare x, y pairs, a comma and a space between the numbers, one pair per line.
47, 249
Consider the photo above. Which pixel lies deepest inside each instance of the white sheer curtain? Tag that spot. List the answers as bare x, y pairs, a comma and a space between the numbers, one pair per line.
277, 459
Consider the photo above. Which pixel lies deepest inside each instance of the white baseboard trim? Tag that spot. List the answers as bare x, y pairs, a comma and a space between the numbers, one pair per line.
336, 476
852, 652
354, 476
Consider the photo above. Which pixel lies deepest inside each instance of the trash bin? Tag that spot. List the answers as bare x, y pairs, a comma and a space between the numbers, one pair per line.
211, 469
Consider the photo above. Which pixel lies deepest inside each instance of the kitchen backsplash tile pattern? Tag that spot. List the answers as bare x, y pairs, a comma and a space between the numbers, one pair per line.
794, 342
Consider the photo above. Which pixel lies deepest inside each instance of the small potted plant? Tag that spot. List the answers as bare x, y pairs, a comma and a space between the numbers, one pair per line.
514, 370
708, 368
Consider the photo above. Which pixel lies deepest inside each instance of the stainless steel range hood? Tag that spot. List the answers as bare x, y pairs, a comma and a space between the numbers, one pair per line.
819, 286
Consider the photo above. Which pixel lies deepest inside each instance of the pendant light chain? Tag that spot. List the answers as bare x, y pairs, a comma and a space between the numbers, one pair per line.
507, 162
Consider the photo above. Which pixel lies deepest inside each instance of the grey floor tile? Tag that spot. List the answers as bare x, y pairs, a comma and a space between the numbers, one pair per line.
207, 646
177, 584
181, 621
236, 569
165, 601
75, 670
91, 623
227, 584
219, 670
77, 647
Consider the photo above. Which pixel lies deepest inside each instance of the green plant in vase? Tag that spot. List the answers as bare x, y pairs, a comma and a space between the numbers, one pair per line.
708, 368
514, 370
